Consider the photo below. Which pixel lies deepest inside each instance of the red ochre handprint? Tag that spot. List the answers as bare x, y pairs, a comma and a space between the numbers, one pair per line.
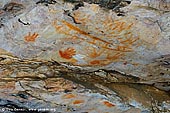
31, 38
67, 53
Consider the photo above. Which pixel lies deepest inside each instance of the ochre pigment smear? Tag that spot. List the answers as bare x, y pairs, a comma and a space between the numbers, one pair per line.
108, 104
78, 102
68, 96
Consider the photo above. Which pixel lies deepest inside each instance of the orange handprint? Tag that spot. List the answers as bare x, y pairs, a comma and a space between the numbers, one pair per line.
31, 38
67, 53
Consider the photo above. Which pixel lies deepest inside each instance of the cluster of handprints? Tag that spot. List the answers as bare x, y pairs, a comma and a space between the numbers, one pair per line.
104, 41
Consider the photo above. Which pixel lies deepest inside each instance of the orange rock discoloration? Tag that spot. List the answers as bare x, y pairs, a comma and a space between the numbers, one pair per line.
8, 85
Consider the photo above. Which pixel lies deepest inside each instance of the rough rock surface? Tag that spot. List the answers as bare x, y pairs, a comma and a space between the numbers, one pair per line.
85, 56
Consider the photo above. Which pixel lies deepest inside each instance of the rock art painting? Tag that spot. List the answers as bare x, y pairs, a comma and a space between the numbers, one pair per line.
120, 42
85, 56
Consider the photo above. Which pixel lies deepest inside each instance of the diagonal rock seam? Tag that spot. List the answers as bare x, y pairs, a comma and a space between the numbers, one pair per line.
55, 69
